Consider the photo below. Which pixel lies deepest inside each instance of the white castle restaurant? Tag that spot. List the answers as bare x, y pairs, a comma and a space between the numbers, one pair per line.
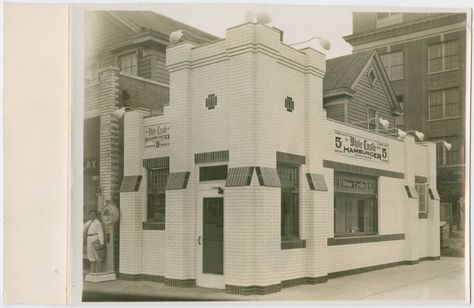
257, 177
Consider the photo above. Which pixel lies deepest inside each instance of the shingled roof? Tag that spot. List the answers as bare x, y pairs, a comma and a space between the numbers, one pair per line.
341, 72
160, 23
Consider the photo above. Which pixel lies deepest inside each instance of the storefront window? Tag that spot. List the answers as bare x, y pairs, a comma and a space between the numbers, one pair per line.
156, 209
290, 219
355, 204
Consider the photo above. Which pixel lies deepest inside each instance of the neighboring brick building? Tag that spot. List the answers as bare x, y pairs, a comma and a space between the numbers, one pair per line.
125, 66
425, 58
244, 184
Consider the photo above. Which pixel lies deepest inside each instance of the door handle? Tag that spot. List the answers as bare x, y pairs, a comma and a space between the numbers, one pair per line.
199, 240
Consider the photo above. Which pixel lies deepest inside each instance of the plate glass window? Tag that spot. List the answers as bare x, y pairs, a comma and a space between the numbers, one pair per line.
156, 208
355, 204
290, 218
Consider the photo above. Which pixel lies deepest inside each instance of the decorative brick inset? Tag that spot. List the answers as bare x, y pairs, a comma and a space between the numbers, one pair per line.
252, 290
335, 241
210, 157
153, 226
181, 283
142, 277
422, 215
303, 280
294, 244
289, 158
362, 170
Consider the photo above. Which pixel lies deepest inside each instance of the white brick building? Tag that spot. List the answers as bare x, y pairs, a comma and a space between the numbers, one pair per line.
244, 184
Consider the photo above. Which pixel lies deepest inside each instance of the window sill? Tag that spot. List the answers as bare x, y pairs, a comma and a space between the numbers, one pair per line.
443, 119
293, 244
153, 225
443, 71
422, 215
335, 241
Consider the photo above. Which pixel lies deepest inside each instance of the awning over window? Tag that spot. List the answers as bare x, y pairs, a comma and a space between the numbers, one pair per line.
177, 180
131, 183
316, 182
268, 177
433, 194
241, 176
411, 192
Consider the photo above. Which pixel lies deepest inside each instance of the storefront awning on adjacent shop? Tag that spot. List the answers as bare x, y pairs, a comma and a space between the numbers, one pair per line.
240, 176
411, 192
131, 183
316, 182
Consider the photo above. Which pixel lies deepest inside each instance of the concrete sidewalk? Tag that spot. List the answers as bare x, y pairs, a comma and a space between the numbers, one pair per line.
442, 280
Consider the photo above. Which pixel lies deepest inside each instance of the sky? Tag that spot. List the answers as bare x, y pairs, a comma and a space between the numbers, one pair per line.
298, 22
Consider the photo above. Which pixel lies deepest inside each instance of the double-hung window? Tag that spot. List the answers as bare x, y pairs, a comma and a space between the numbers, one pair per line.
371, 119
355, 204
128, 63
444, 103
443, 56
290, 216
156, 208
393, 64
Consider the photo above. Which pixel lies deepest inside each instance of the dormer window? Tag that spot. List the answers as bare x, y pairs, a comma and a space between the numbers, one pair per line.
128, 63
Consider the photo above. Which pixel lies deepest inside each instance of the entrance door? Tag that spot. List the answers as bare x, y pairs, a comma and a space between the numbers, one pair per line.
211, 243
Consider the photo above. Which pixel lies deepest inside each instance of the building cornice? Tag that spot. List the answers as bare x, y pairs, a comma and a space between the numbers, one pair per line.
400, 29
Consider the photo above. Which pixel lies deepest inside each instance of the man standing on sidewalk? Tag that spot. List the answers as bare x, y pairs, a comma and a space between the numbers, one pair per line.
94, 235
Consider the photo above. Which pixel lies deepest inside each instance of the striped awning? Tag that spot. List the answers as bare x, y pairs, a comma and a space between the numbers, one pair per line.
131, 183
411, 192
241, 176
177, 180
268, 177
433, 193
316, 182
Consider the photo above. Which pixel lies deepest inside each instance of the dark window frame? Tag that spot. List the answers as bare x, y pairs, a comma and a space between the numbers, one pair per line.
205, 173
364, 188
156, 194
291, 226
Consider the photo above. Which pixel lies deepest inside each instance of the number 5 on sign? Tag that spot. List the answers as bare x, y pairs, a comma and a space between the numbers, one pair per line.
338, 142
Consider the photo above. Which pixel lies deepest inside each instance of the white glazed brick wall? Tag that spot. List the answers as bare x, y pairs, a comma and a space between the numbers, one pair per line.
239, 247
391, 205
210, 126
346, 257
251, 121
154, 252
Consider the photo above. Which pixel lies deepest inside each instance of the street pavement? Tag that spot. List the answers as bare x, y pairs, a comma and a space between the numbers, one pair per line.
442, 281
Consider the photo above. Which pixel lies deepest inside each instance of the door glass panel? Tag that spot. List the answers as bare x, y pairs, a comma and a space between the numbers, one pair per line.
213, 236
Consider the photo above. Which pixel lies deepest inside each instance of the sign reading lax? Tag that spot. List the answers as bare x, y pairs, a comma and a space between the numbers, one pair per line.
157, 135
360, 147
